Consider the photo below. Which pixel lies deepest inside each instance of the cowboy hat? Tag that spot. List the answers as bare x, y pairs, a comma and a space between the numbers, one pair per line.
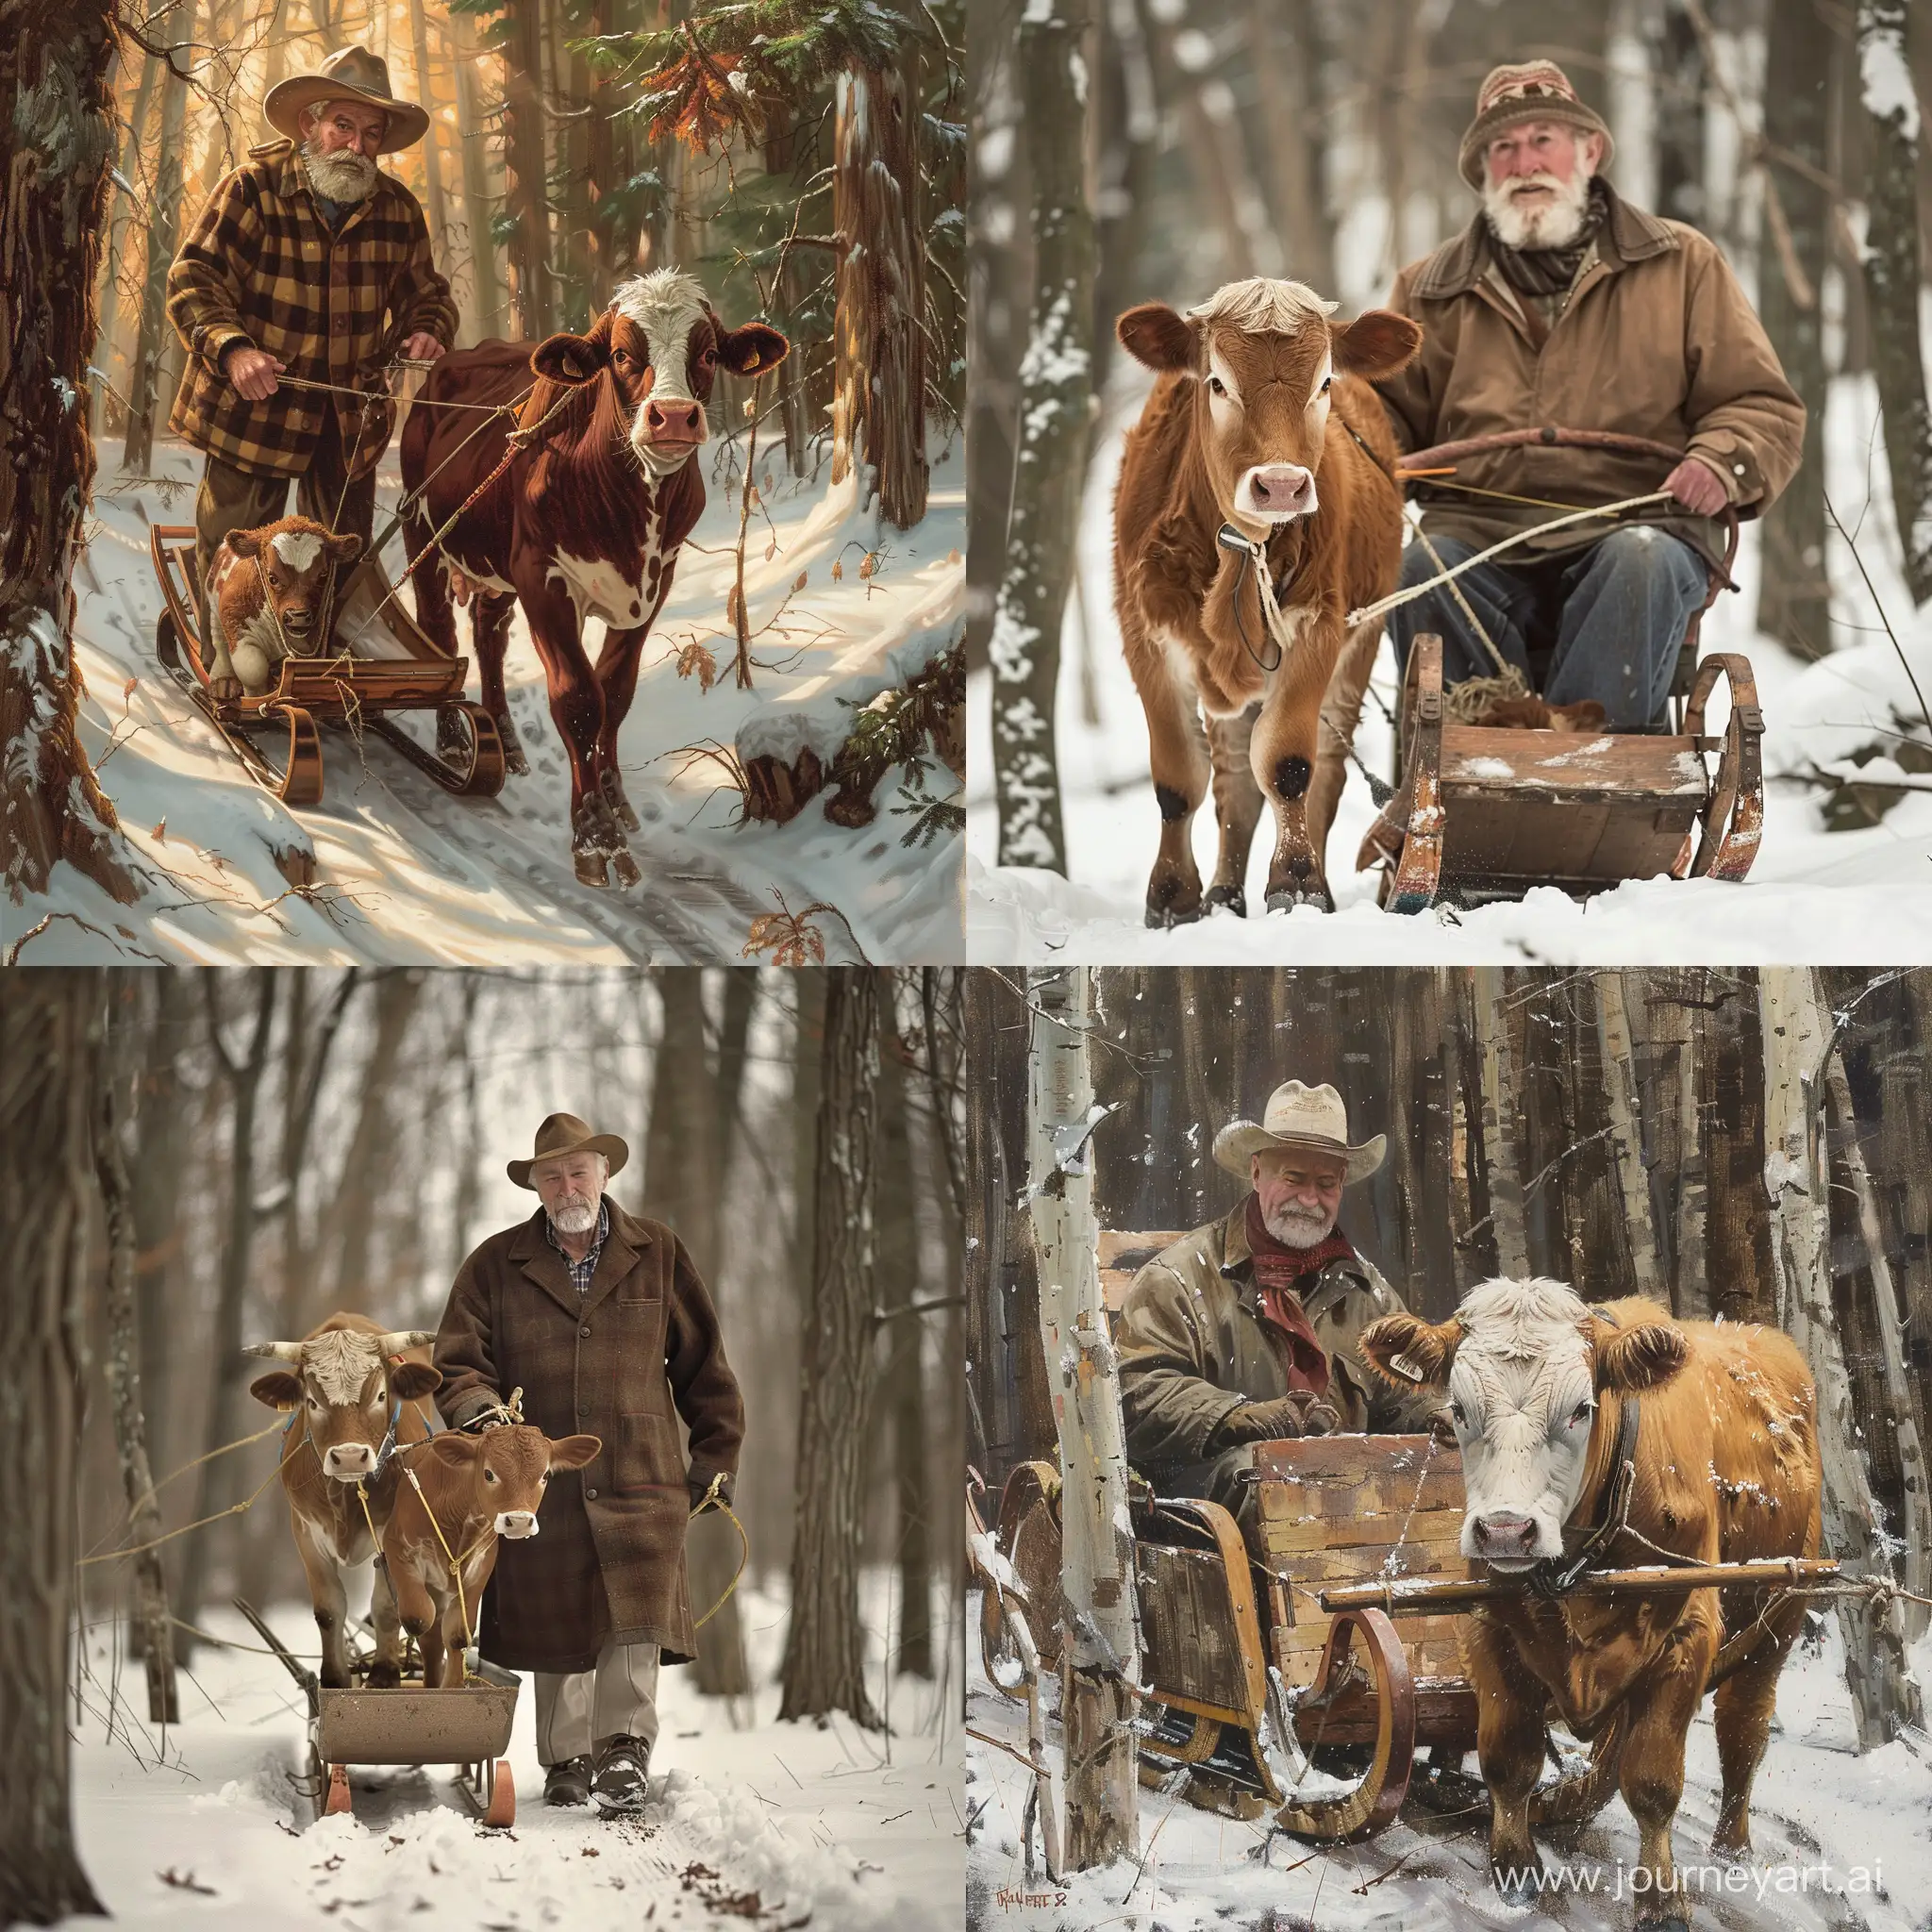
562, 1134
1299, 1116
350, 73
1535, 90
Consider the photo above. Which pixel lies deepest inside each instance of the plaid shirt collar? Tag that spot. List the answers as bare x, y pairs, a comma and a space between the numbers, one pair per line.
582, 1271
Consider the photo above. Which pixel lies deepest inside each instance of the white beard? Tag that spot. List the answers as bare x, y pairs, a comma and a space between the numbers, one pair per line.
576, 1217
1547, 225
340, 177
1295, 1228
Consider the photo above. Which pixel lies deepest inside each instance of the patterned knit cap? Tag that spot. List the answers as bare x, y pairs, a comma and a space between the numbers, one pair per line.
1531, 91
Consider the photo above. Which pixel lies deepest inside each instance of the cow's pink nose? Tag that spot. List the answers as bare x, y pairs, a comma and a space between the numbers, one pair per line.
675, 420
1279, 490
349, 1460
1505, 1536
516, 1523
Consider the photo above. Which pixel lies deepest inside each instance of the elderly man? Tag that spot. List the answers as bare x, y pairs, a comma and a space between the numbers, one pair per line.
1561, 304
599, 1319
310, 262
1245, 1331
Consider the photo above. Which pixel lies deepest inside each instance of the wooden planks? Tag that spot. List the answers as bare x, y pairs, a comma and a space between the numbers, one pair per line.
1189, 1630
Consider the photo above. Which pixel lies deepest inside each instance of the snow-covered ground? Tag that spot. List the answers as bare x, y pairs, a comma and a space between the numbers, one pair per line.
1814, 895
1839, 1841
405, 874
782, 1824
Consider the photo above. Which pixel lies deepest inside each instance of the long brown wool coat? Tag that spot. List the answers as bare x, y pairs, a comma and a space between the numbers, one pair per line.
621, 1362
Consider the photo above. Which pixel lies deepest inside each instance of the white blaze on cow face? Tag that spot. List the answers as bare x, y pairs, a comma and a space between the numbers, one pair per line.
301, 550
667, 305
1522, 1397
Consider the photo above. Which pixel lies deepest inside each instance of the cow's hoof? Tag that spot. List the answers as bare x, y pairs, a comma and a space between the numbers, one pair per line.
626, 868
1161, 916
336, 1680
591, 870
514, 762
1287, 898
1231, 896
383, 1676
613, 786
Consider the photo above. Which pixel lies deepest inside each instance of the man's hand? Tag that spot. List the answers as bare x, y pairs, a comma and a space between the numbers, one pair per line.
1697, 486
252, 371
1301, 1414
420, 347
700, 1487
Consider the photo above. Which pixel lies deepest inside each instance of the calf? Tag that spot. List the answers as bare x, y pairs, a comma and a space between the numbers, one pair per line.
1727, 1469
585, 521
268, 591
466, 1492
355, 1391
1261, 430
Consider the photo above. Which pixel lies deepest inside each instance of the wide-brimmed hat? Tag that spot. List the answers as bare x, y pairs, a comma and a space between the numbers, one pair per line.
1531, 91
561, 1134
350, 73
1299, 1116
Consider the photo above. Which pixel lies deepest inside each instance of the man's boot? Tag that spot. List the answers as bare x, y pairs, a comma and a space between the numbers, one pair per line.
568, 1783
624, 1767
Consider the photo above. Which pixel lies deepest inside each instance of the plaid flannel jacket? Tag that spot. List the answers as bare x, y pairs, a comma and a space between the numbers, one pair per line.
261, 266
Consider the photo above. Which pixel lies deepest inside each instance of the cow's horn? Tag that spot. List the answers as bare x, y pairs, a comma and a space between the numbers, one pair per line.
404, 1338
278, 1351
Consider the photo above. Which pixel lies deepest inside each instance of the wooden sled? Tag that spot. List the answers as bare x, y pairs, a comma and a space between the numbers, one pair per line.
353, 692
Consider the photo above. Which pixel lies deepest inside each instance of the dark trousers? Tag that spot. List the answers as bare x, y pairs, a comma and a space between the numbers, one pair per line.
1608, 620
235, 499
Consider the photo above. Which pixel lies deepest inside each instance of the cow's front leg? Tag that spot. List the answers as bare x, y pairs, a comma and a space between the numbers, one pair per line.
1746, 1702
1176, 758
1509, 1747
1651, 1775
1283, 752
617, 672
452, 1633
330, 1599
1237, 809
416, 1610
386, 1671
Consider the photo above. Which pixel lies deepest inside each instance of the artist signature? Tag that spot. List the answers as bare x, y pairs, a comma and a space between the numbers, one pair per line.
1012, 1901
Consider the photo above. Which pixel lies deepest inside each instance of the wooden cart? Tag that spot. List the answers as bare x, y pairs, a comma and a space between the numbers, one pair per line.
469, 1728
1481, 813
383, 662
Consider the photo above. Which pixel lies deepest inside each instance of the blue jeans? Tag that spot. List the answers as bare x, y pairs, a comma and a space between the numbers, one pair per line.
1611, 618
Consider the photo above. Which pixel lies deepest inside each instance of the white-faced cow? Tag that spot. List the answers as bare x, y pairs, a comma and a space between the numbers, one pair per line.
585, 521
1262, 429
268, 593
1726, 1469
355, 1391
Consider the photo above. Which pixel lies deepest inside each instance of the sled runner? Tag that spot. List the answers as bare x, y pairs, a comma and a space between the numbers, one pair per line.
1481, 813
469, 1728
382, 662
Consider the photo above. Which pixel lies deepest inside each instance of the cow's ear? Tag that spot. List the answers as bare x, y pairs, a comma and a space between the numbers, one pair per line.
246, 543
1630, 1360
571, 360
1375, 345
572, 1451
1161, 339
412, 1379
277, 1391
1410, 1353
454, 1448
345, 548
751, 350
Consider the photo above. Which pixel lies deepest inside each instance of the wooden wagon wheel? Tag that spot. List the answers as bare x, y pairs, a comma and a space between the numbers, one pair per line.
1732, 822
1028, 1536
1373, 1803
467, 739
1409, 831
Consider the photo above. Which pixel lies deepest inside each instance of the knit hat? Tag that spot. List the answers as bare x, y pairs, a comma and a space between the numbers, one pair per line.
1532, 91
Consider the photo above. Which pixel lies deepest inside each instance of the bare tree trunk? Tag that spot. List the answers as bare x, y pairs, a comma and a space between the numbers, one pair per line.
1501, 1112
1055, 379
1738, 1236
1100, 1657
367, 1165
1626, 1140
1884, 1695
55, 144
527, 169
50, 1038
487, 307
824, 1646
149, 1621
432, 142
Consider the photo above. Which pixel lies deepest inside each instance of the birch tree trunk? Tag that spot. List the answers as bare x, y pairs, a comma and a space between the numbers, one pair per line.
487, 318
55, 144
1900, 1396
1885, 1696
1626, 1140
163, 233
824, 1646
50, 1025
527, 169
1100, 1656
1501, 1112
1892, 276
1055, 389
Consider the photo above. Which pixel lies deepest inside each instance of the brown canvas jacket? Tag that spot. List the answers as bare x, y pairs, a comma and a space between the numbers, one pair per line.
1657, 340
260, 265
622, 1363
1194, 1347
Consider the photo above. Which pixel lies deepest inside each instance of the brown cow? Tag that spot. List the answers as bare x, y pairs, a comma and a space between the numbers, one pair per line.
1727, 1469
1262, 429
267, 591
586, 522
468, 1492
355, 1390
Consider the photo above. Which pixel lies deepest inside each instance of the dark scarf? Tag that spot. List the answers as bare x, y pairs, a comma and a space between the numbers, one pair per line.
1279, 1270
1543, 273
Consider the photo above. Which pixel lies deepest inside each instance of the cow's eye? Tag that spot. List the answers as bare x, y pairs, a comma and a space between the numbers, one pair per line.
707, 358
489, 1476
1459, 1415
1327, 383
1216, 387
1583, 1412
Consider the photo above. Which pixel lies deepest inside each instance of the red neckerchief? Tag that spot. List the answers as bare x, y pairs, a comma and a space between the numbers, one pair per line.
1279, 1269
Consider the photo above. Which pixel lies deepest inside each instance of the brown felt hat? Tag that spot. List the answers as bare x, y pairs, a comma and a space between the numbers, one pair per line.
350, 73
1529, 90
562, 1134
1299, 1116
